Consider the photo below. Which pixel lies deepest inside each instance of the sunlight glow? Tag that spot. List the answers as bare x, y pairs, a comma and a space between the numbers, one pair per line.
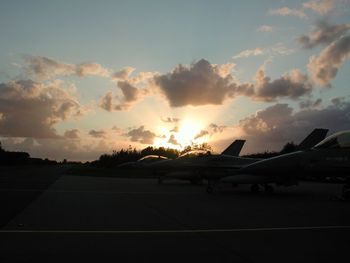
185, 135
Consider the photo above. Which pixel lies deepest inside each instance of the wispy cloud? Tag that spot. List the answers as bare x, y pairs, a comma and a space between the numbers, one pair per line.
249, 53
286, 11
321, 7
265, 28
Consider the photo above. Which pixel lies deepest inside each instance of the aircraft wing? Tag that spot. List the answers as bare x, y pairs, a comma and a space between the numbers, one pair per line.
247, 179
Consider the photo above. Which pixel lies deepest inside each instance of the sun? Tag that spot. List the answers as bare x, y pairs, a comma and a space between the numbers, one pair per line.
188, 130
186, 134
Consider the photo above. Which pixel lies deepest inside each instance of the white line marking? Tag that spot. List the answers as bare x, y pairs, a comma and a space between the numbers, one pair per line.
97, 192
174, 231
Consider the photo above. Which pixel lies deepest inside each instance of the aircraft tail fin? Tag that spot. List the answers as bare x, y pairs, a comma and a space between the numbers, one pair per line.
313, 138
235, 148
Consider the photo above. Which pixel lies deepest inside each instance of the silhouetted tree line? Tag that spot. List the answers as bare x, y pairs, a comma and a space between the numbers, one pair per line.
287, 148
17, 158
132, 155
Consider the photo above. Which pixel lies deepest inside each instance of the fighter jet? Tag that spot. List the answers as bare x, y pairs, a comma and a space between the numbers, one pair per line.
328, 159
233, 149
194, 166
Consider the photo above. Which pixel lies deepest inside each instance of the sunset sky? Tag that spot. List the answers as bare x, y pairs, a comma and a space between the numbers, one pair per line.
82, 78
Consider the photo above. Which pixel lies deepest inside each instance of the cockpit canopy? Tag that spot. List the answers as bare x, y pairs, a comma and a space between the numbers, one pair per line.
337, 140
196, 153
152, 158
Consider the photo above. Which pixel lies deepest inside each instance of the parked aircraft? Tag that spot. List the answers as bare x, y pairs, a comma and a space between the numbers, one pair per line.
194, 166
199, 165
233, 150
328, 159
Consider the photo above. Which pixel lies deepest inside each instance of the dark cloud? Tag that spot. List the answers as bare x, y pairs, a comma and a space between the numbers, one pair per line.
292, 85
72, 134
30, 109
310, 103
199, 84
141, 135
201, 134
97, 133
131, 95
324, 34
324, 67
271, 128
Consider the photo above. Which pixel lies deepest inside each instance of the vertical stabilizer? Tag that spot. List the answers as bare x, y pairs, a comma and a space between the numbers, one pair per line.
235, 148
313, 138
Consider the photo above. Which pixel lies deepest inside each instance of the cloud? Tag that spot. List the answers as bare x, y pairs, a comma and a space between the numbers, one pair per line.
72, 134
201, 134
292, 85
31, 109
198, 84
324, 67
141, 135
98, 133
278, 49
43, 68
249, 53
123, 74
116, 129
286, 11
271, 128
265, 28
96, 69
172, 140
217, 128
321, 7
310, 104
107, 101
132, 89
324, 34
131, 95
170, 120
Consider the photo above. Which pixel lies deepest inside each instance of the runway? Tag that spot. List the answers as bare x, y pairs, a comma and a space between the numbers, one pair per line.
58, 217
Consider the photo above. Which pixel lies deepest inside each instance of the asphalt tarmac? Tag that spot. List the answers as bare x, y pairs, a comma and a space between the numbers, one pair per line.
50, 216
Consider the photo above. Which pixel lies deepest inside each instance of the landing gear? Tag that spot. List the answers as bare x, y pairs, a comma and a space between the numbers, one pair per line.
268, 189
255, 188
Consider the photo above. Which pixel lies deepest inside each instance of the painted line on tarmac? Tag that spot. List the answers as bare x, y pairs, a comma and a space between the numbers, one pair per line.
183, 231
98, 192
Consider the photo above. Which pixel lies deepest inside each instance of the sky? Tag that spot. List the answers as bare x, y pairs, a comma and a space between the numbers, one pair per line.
83, 78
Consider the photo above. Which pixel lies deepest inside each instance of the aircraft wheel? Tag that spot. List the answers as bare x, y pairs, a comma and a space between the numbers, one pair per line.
269, 189
234, 185
160, 180
255, 188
